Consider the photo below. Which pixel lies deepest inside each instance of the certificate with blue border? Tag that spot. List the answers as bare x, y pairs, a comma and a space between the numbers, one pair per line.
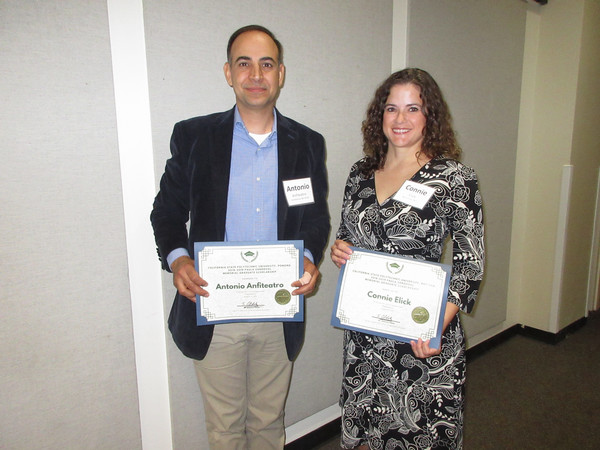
392, 296
249, 281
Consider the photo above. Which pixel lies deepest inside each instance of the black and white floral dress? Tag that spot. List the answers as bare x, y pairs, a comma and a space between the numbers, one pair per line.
390, 399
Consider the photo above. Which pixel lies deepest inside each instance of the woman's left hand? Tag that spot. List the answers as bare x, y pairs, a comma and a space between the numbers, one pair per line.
421, 349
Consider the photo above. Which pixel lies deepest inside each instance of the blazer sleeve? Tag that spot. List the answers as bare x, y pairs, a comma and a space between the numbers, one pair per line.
170, 211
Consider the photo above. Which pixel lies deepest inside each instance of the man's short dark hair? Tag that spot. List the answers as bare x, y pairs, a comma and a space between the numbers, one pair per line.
260, 28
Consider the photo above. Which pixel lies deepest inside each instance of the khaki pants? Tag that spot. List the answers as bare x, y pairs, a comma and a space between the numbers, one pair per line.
244, 380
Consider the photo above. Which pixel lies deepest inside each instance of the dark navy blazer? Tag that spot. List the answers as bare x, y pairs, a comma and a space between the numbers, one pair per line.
195, 184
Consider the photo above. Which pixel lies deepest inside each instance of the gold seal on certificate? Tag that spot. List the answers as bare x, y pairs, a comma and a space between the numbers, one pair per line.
283, 296
392, 296
420, 315
249, 281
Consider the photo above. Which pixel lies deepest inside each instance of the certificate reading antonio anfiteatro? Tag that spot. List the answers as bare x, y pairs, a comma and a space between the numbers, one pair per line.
249, 281
392, 296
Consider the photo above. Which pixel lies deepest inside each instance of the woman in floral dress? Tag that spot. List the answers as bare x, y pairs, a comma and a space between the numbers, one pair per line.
397, 395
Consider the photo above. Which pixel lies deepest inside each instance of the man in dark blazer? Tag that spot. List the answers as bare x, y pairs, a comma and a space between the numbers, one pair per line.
243, 369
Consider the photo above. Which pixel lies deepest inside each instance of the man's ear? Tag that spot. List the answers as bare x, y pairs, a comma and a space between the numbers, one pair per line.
281, 75
227, 72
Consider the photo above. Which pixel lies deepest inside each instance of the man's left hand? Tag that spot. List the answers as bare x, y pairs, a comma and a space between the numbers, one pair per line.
306, 284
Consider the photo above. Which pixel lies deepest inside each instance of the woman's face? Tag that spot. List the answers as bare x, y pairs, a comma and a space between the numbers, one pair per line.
403, 118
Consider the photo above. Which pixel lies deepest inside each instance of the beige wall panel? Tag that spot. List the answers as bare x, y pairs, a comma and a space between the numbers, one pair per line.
67, 368
585, 158
552, 131
474, 49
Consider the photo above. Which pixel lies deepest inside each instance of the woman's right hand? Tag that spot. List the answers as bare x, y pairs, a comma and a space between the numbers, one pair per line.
340, 252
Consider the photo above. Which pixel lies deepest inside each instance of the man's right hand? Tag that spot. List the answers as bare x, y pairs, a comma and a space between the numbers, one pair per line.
185, 278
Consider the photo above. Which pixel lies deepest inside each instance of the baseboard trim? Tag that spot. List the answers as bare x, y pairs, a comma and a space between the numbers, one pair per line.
316, 437
482, 347
331, 429
523, 330
552, 338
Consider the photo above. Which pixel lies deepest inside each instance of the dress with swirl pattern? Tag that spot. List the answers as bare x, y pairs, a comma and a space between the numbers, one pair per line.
390, 399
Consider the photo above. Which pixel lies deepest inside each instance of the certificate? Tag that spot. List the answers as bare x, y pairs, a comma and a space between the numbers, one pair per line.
249, 281
392, 296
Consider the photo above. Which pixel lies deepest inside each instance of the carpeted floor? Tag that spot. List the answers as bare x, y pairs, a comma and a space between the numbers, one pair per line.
527, 394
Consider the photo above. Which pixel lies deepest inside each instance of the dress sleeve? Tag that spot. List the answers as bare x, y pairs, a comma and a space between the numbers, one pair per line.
465, 221
343, 232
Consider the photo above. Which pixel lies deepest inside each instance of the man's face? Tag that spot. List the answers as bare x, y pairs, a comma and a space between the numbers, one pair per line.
254, 72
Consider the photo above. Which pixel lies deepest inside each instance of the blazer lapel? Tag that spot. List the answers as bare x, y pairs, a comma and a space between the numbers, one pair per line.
220, 159
287, 154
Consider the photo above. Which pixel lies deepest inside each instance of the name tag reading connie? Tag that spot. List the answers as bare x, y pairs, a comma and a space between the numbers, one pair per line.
298, 192
414, 194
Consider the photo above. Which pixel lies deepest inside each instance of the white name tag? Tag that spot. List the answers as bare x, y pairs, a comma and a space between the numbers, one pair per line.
414, 194
298, 192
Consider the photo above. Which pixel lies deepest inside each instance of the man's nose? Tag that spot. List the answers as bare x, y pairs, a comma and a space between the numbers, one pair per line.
256, 72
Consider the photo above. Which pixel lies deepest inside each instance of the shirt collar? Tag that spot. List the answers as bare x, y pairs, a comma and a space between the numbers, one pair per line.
237, 120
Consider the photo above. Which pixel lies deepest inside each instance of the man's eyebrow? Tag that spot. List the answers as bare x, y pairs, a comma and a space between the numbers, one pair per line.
247, 58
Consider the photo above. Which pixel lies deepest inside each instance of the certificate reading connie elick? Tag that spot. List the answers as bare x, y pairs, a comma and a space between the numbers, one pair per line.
392, 296
249, 281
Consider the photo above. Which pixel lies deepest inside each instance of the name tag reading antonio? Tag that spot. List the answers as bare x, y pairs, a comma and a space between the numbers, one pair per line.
414, 194
298, 192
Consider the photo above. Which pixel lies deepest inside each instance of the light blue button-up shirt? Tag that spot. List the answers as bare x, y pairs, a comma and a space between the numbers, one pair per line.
252, 194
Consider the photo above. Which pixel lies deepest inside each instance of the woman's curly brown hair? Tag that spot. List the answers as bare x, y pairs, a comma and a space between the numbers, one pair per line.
439, 138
